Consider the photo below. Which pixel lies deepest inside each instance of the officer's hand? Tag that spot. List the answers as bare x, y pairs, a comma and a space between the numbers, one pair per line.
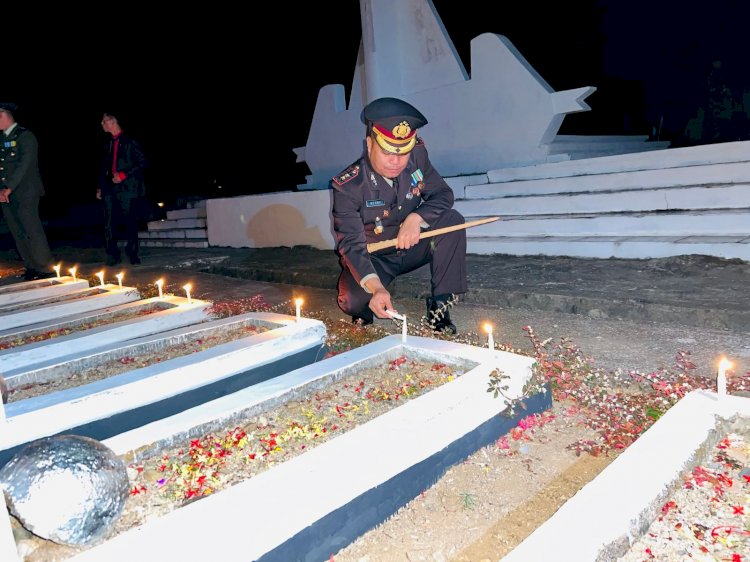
408, 234
380, 302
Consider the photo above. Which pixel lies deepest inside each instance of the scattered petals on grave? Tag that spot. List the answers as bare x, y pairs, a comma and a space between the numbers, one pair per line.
215, 461
708, 517
120, 316
618, 406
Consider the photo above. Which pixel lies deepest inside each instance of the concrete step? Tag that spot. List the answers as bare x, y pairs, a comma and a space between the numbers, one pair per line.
664, 199
190, 213
178, 233
174, 224
706, 175
175, 243
626, 247
669, 158
624, 225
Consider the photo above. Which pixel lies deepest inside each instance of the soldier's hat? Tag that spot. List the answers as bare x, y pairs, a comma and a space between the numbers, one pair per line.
393, 123
9, 107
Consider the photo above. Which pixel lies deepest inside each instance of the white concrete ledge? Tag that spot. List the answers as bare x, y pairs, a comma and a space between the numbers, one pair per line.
668, 158
317, 502
161, 389
99, 298
40, 289
624, 247
617, 506
177, 311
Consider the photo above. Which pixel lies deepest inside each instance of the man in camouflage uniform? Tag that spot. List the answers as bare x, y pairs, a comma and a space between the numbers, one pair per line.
393, 192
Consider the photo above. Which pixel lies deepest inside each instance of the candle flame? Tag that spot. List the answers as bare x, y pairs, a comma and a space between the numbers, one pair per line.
488, 327
57, 269
72, 272
119, 279
187, 287
100, 275
724, 365
299, 302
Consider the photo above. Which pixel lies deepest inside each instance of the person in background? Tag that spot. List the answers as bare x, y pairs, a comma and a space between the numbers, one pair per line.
122, 189
393, 192
20, 190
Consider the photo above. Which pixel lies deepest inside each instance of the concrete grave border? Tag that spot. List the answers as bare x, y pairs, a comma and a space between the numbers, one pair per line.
40, 289
614, 509
318, 502
109, 295
178, 311
117, 404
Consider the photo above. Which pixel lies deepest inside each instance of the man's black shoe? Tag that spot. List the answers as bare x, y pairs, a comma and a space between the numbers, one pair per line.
112, 260
364, 320
438, 314
33, 274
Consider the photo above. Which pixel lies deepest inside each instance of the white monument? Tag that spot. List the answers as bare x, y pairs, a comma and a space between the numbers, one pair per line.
503, 114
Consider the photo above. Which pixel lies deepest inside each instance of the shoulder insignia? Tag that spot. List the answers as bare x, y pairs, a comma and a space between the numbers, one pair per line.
349, 174
419, 142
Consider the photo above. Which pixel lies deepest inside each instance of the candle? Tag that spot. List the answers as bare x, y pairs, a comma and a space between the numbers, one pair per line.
72, 272
721, 376
187, 288
398, 316
57, 269
298, 308
100, 275
490, 339
119, 279
159, 283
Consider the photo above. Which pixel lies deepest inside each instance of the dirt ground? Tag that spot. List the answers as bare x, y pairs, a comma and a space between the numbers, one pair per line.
482, 508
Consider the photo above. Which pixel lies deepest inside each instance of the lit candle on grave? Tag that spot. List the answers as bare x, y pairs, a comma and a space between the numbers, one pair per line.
119, 279
298, 308
401, 317
160, 283
57, 269
72, 272
187, 287
100, 275
721, 376
490, 339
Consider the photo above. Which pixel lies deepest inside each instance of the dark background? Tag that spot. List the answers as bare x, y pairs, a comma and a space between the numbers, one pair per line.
207, 91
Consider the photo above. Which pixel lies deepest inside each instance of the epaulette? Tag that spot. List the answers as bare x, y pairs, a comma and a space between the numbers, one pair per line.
419, 142
349, 174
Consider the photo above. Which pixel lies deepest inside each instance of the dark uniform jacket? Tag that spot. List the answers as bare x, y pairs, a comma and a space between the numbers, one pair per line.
363, 202
130, 161
19, 164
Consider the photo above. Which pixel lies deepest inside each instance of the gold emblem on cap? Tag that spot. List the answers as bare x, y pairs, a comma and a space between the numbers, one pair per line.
401, 130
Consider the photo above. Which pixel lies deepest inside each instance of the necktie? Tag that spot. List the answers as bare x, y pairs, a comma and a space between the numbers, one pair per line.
115, 145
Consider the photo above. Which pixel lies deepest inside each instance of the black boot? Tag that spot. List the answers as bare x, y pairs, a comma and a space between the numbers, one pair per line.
438, 313
363, 319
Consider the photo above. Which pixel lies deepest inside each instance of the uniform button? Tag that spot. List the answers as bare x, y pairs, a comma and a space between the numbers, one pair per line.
399, 207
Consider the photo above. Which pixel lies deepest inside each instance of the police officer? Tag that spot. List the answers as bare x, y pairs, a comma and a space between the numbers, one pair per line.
393, 192
20, 189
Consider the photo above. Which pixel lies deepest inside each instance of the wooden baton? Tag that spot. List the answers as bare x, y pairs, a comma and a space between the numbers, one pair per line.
375, 246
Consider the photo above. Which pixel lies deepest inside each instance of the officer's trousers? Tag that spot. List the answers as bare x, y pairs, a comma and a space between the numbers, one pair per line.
446, 254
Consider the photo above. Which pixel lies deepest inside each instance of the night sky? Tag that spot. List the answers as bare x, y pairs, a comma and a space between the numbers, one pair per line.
184, 80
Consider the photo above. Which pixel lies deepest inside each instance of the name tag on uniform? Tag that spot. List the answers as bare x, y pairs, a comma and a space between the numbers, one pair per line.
374, 203
9, 144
